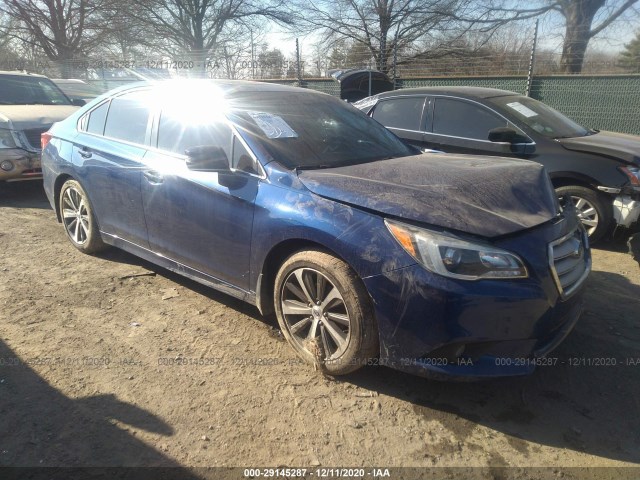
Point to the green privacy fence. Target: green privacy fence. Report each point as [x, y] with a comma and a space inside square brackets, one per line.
[603, 102]
[606, 102]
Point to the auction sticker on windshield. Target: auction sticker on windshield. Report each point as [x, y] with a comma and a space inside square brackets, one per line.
[522, 109]
[273, 126]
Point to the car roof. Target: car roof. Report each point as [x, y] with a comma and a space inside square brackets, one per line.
[343, 74]
[69, 80]
[227, 86]
[21, 73]
[466, 92]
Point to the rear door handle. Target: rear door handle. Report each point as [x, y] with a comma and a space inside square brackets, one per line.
[153, 177]
[85, 152]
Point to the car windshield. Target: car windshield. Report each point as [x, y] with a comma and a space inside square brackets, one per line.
[25, 90]
[540, 117]
[306, 130]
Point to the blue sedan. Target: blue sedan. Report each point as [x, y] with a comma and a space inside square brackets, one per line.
[367, 250]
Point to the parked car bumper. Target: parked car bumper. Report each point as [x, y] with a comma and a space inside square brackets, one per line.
[444, 328]
[18, 164]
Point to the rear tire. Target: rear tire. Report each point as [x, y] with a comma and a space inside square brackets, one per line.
[78, 218]
[325, 312]
[593, 208]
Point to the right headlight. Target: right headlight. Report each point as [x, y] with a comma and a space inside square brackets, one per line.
[6, 139]
[633, 174]
[454, 257]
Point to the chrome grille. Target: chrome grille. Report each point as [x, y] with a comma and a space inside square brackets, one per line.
[570, 262]
[33, 136]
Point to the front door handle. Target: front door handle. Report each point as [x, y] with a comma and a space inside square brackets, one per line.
[153, 177]
[85, 152]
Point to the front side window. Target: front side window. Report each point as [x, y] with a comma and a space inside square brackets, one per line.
[179, 130]
[459, 118]
[404, 113]
[242, 160]
[128, 117]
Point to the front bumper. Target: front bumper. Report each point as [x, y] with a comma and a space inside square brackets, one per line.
[24, 165]
[444, 328]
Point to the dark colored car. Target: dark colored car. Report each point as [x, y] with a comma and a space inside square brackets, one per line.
[77, 90]
[356, 84]
[29, 105]
[599, 170]
[296, 202]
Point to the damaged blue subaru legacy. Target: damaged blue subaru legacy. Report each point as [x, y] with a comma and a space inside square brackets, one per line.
[367, 250]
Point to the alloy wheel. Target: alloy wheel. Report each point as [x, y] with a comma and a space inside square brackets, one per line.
[587, 214]
[313, 307]
[75, 215]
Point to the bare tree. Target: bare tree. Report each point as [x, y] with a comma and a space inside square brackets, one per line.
[380, 26]
[579, 17]
[198, 27]
[62, 29]
[583, 20]
[235, 60]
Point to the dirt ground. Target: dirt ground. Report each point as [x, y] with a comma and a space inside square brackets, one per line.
[111, 361]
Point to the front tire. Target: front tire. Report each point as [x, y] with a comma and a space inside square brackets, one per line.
[325, 313]
[593, 209]
[78, 218]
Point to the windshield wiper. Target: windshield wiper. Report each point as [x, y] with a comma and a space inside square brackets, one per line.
[316, 167]
[348, 164]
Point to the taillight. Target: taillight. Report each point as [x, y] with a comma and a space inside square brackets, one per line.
[45, 138]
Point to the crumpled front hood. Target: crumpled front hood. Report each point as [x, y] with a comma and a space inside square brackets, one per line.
[24, 117]
[618, 145]
[488, 196]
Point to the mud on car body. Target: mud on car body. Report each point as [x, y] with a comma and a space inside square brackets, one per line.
[29, 105]
[441, 265]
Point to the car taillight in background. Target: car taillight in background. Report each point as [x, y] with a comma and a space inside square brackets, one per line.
[45, 138]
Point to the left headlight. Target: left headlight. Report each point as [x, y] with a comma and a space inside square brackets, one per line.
[6, 139]
[454, 257]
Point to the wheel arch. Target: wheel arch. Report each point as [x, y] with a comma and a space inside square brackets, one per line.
[565, 179]
[272, 263]
[57, 188]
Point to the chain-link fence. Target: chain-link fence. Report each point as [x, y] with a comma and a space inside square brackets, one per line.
[605, 96]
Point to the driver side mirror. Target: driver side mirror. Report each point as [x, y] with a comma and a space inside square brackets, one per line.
[518, 143]
[207, 158]
[78, 102]
[506, 134]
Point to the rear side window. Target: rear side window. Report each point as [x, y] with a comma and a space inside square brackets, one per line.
[97, 118]
[404, 113]
[458, 118]
[178, 132]
[128, 118]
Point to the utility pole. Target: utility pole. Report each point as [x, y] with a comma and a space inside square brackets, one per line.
[395, 60]
[532, 61]
[298, 69]
[253, 61]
